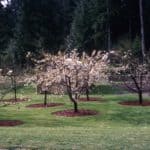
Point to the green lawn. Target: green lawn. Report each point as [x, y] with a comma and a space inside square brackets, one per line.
[116, 127]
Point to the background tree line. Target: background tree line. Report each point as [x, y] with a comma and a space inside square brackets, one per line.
[51, 25]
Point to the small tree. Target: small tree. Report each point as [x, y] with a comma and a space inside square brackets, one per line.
[8, 73]
[134, 72]
[96, 70]
[67, 71]
[42, 84]
[46, 76]
[72, 71]
[48, 83]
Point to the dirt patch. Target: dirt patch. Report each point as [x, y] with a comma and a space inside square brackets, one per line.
[84, 99]
[135, 103]
[41, 105]
[71, 113]
[10, 123]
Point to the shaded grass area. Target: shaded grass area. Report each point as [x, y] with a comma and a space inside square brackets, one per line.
[115, 127]
[107, 89]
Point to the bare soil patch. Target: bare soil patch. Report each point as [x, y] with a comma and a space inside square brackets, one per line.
[41, 105]
[10, 123]
[71, 113]
[84, 99]
[135, 103]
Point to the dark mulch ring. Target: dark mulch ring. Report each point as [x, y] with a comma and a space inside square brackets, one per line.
[135, 103]
[9, 123]
[71, 113]
[84, 99]
[41, 105]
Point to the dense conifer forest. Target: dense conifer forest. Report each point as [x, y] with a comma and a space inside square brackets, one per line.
[52, 25]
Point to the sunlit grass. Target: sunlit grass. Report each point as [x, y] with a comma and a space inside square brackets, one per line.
[115, 127]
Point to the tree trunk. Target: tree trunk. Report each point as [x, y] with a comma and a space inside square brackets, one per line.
[74, 101]
[109, 38]
[75, 106]
[13, 82]
[15, 91]
[138, 87]
[130, 29]
[0, 61]
[140, 97]
[108, 26]
[87, 94]
[142, 28]
[45, 98]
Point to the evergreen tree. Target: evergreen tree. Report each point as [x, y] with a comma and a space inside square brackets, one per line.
[90, 25]
[50, 25]
[5, 30]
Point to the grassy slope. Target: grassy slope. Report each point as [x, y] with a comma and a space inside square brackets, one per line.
[116, 127]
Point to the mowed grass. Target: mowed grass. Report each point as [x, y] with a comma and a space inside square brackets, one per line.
[116, 127]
